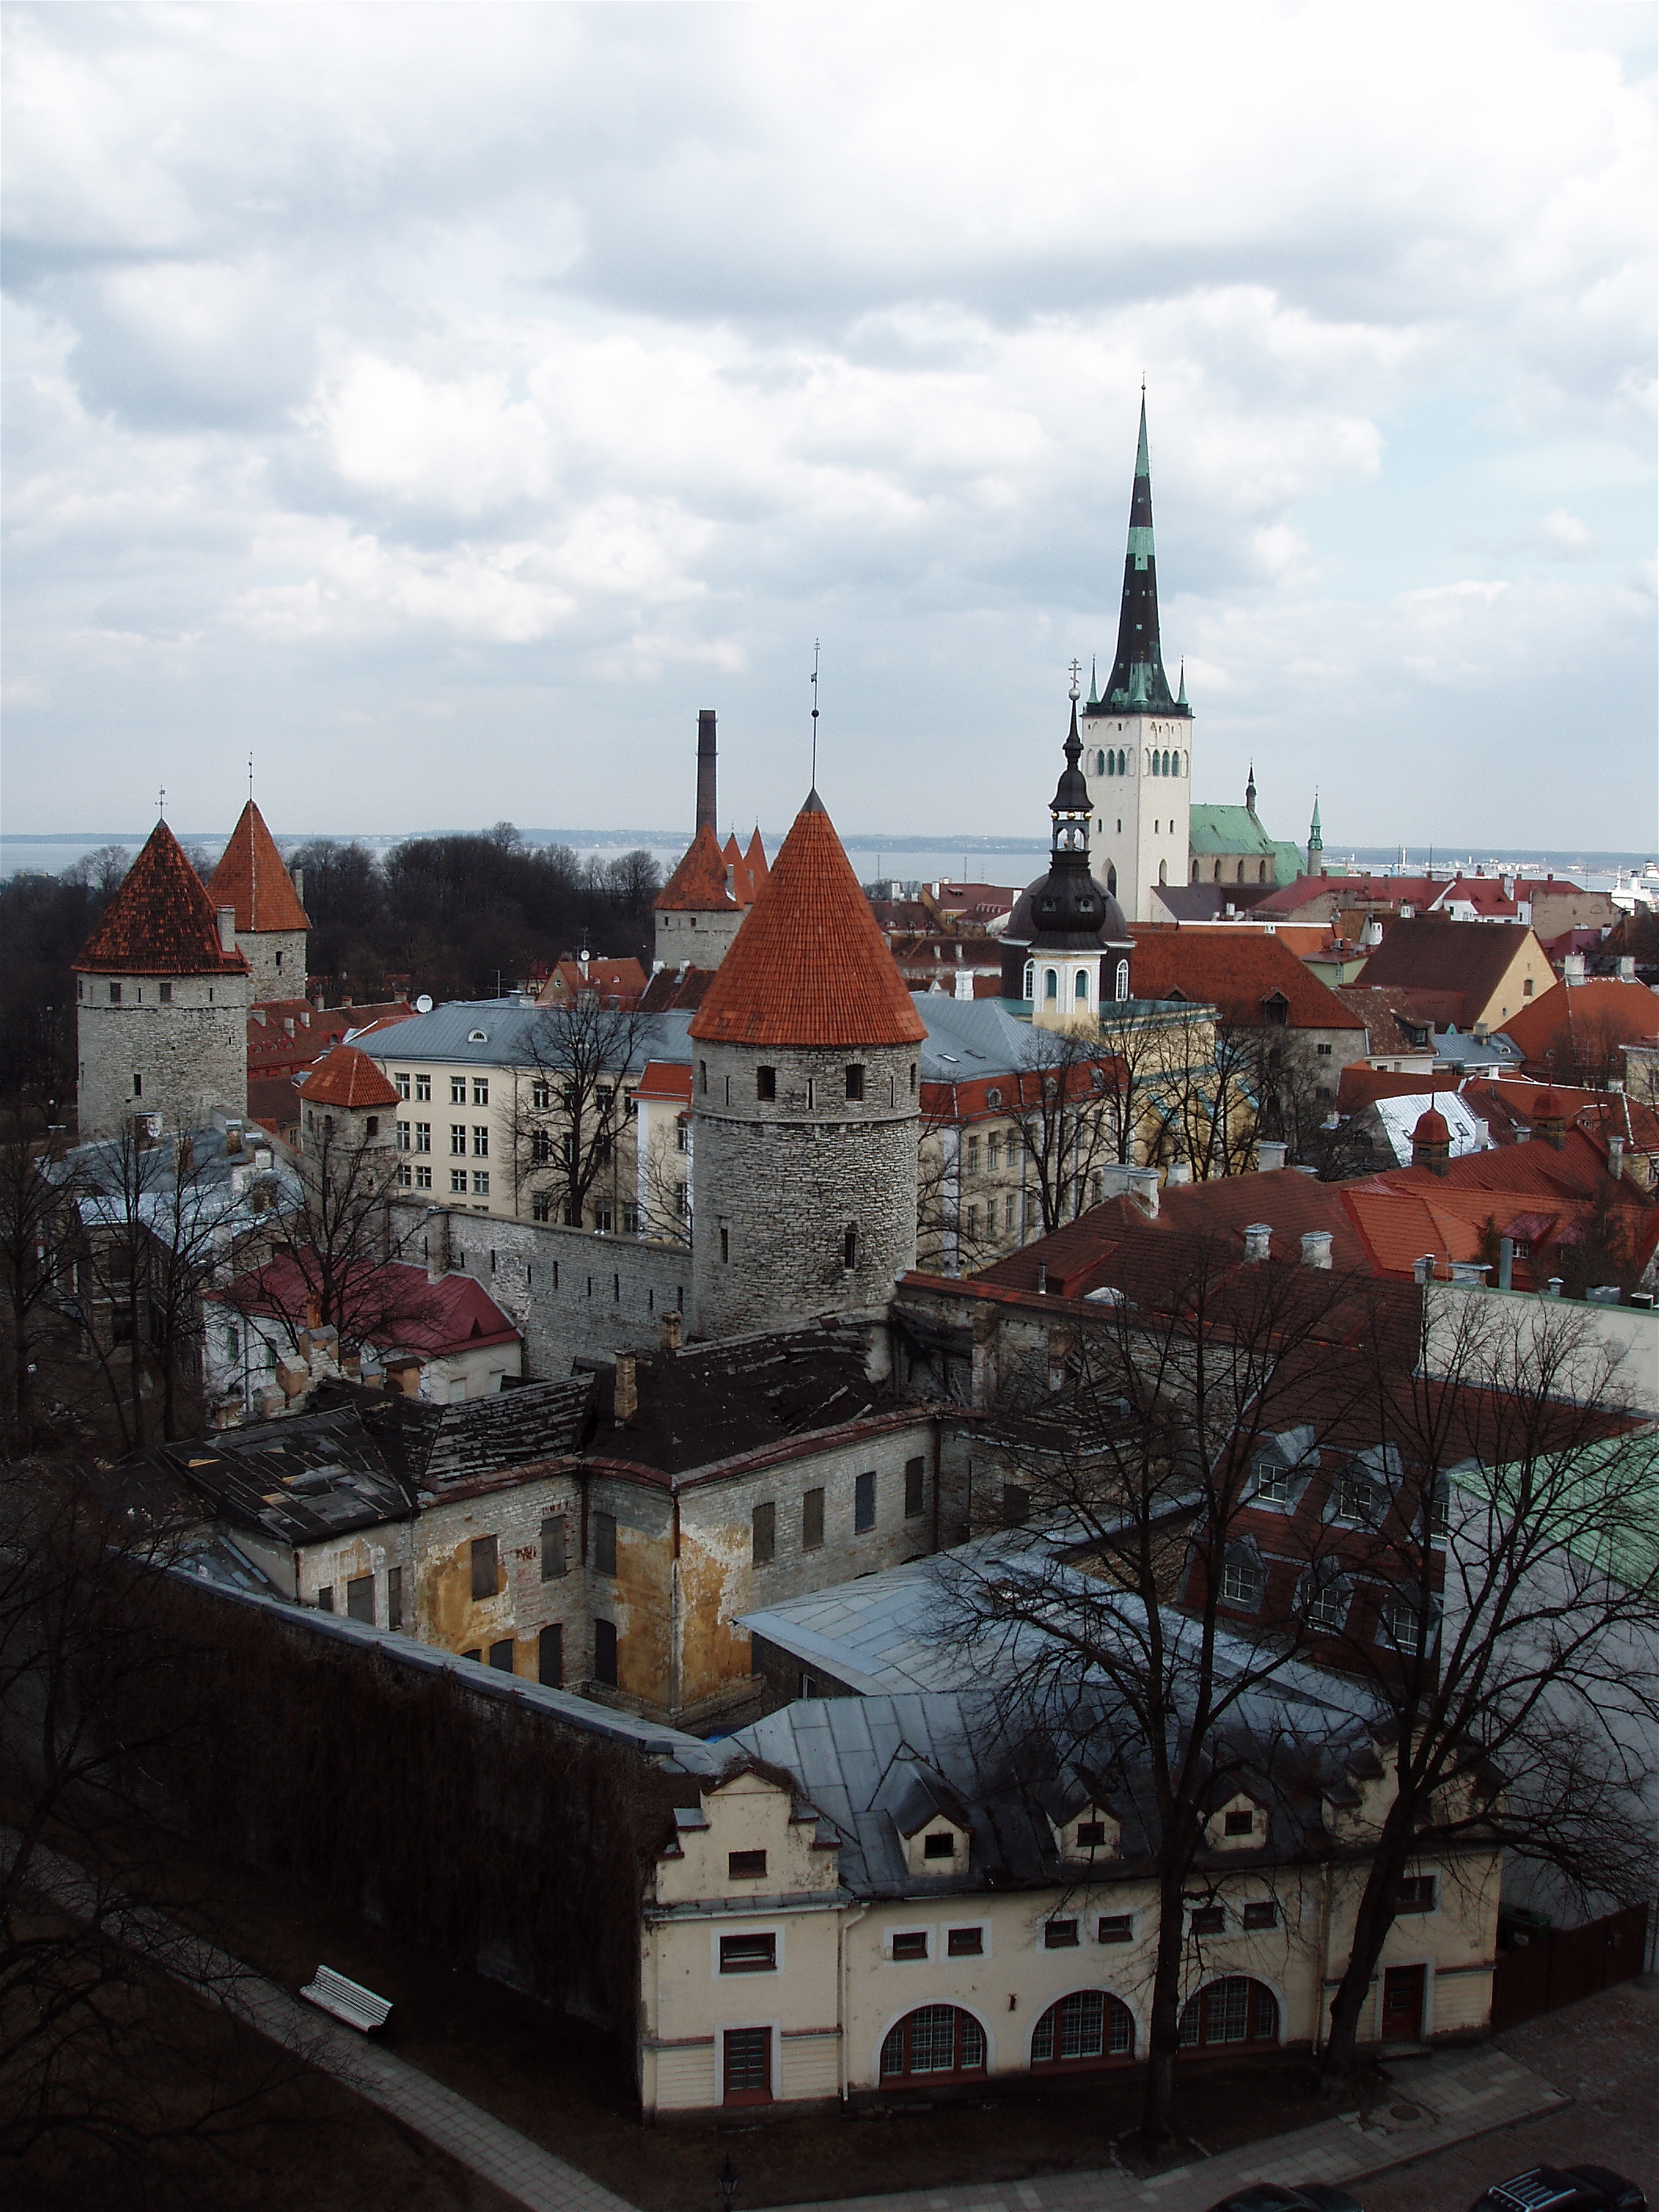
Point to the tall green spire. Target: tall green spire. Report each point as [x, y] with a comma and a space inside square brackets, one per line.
[1315, 843]
[1138, 683]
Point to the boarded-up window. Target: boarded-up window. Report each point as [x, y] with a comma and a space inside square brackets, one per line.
[914, 1484]
[745, 1866]
[550, 1670]
[765, 1546]
[500, 1655]
[605, 1652]
[325, 1598]
[359, 1598]
[394, 1597]
[864, 1502]
[553, 1558]
[485, 1567]
[604, 1542]
[811, 1521]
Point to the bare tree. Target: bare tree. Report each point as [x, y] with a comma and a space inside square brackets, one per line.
[1072, 1113]
[1524, 1704]
[1136, 1444]
[32, 1206]
[573, 1107]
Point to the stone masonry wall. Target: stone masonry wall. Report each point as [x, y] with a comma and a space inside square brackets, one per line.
[702, 939]
[189, 1055]
[776, 1183]
[276, 963]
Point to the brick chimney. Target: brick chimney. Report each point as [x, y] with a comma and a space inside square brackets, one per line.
[706, 801]
[673, 1330]
[625, 1397]
[227, 928]
[1549, 1122]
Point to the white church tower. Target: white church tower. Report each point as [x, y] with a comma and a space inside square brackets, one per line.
[1138, 736]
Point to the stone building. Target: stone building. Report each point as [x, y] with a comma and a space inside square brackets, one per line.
[270, 922]
[699, 909]
[161, 1002]
[805, 1102]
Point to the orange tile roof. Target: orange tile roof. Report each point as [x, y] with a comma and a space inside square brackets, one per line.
[1235, 970]
[250, 878]
[809, 965]
[698, 885]
[1574, 1019]
[161, 922]
[348, 1079]
[668, 1080]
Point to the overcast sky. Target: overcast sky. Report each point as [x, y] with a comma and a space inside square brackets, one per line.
[446, 403]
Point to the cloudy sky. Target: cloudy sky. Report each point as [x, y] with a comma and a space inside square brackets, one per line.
[446, 402]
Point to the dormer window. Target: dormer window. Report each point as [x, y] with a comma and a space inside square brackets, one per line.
[941, 1844]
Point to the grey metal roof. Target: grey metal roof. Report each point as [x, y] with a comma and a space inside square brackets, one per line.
[499, 1033]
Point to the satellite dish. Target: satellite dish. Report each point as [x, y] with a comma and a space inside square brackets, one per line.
[423, 1004]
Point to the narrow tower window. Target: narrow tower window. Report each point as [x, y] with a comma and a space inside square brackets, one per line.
[855, 1079]
[766, 1083]
[1051, 984]
[1123, 984]
[1080, 989]
[849, 1246]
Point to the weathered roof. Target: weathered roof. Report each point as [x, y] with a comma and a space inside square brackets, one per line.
[347, 1078]
[1230, 830]
[698, 885]
[1423, 953]
[809, 965]
[502, 1033]
[399, 1308]
[683, 988]
[161, 922]
[1573, 1021]
[1237, 971]
[250, 877]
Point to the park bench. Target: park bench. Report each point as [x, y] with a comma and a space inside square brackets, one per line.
[348, 2000]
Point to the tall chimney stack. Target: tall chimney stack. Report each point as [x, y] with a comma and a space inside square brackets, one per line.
[706, 809]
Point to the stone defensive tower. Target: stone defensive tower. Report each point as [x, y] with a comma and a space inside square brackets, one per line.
[806, 1100]
[1137, 738]
[161, 1000]
[270, 922]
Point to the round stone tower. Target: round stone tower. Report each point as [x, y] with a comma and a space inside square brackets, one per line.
[270, 922]
[161, 1000]
[805, 1090]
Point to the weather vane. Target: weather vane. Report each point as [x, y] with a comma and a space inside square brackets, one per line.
[815, 714]
[249, 779]
[1076, 671]
[162, 800]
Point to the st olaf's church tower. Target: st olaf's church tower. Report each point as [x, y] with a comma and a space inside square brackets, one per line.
[1138, 736]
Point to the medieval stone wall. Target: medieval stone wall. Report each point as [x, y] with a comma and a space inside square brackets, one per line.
[276, 963]
[701, 939]
[180, 1057]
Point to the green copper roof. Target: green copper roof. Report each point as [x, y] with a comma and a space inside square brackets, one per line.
[1220, 831]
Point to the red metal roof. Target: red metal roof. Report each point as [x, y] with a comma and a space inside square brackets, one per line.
[453, 1315]
[698, 885]
[161, 922]
[347, 1078]
[809, 965]
[250, 878]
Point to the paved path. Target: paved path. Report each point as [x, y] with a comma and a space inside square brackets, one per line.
[1450, 2099]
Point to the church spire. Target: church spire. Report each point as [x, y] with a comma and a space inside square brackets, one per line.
[1138, 683]
[1249, 789]
[1315, 843]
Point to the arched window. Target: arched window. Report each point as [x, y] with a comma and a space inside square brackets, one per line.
[1166, 763]
[1102, 763]
[1218, 872]
[1123, 762]
[1030, 979]
[1051, 984]
[1262, 873]
[1234, 2010]
[1088, 2028]
[1121, 985]
[1196, 871]
[1177, 763]
[1111, 880]
[1163, 871]
[1157, 770]
[1081, 987]
[936, 2041]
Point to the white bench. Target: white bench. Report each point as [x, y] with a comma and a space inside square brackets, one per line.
[348, 2000]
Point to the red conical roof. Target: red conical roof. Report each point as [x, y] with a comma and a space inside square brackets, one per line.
[347, 1077]
[1432, 1128]
[250, 878]
[698, 885]
[810, 966]
[161, 922]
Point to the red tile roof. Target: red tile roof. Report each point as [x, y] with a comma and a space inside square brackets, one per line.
[1359, 1085]
[250, 878]
[285, 1034]
[698, 885]
[748, 871]
[161, 922]
[453, 1315]
[809, 965]
[1576, 1020]
[347, 1078]
[1237, 971]
[668, 1081]
[618, 983]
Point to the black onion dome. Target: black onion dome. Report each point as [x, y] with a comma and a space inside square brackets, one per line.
[1066, 911]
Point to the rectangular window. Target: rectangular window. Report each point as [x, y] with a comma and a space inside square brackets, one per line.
[486, 1566]
[856, 1081]
[749, 1954]
[481, 1182]
[423, 1086]
[1116, 1928]
[748, 2070]
[1322, 1051]
[550, 1657]
[964, 1943]
[914, 1486]
[1091, 1835]
[1240, 1824]
[541, 1207]
[394, 1597]
[423, 1136]
[1415, 1894]
[457, 1090]
[630, 1221]
[359, 1599]
[1209, 1920]
[404, 1136]
[766, 1083]
[1264, 1913]
[405, 1176]
[994, 1151]
[745, 1866]
[1015, 1505]
[402, 1082]
[764, 1547]
[864, 1504]
[602, 1219]
[973, 1155]
[458, 1139]
[115, 994]
[541, 1096]
[1060, 1935]
[912, 1944]
[553, 1558]
[166, 990]
[604, 1542]
[1008, 1214]
[422, 1178]
[480, 1091]
[500, 1656]
[811, 1521]
[481, 1140]
[325, 1598]
[1238, 1582]
[1272, 1485]
[941, 1844]
[605, 1653]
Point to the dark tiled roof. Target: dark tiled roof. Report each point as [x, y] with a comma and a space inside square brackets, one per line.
[1237, 971]
[684, 987]
[1428, 954]
[809, 965]
[161, 922]
[250, 878]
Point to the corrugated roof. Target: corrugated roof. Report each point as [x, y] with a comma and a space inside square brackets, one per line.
[698, 885]
[161, 922]
[250, 877]
[809, 965]
[347, 1078]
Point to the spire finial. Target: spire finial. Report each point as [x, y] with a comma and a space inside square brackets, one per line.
[161, 802]
[815, 714]
[1076, 671]
[249, 779]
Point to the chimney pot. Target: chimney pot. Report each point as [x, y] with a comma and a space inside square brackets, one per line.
[1258, 1239]
[1423, 1269]
[1316, 1247]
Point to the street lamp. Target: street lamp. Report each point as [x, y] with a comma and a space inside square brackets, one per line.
[727, 2179]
